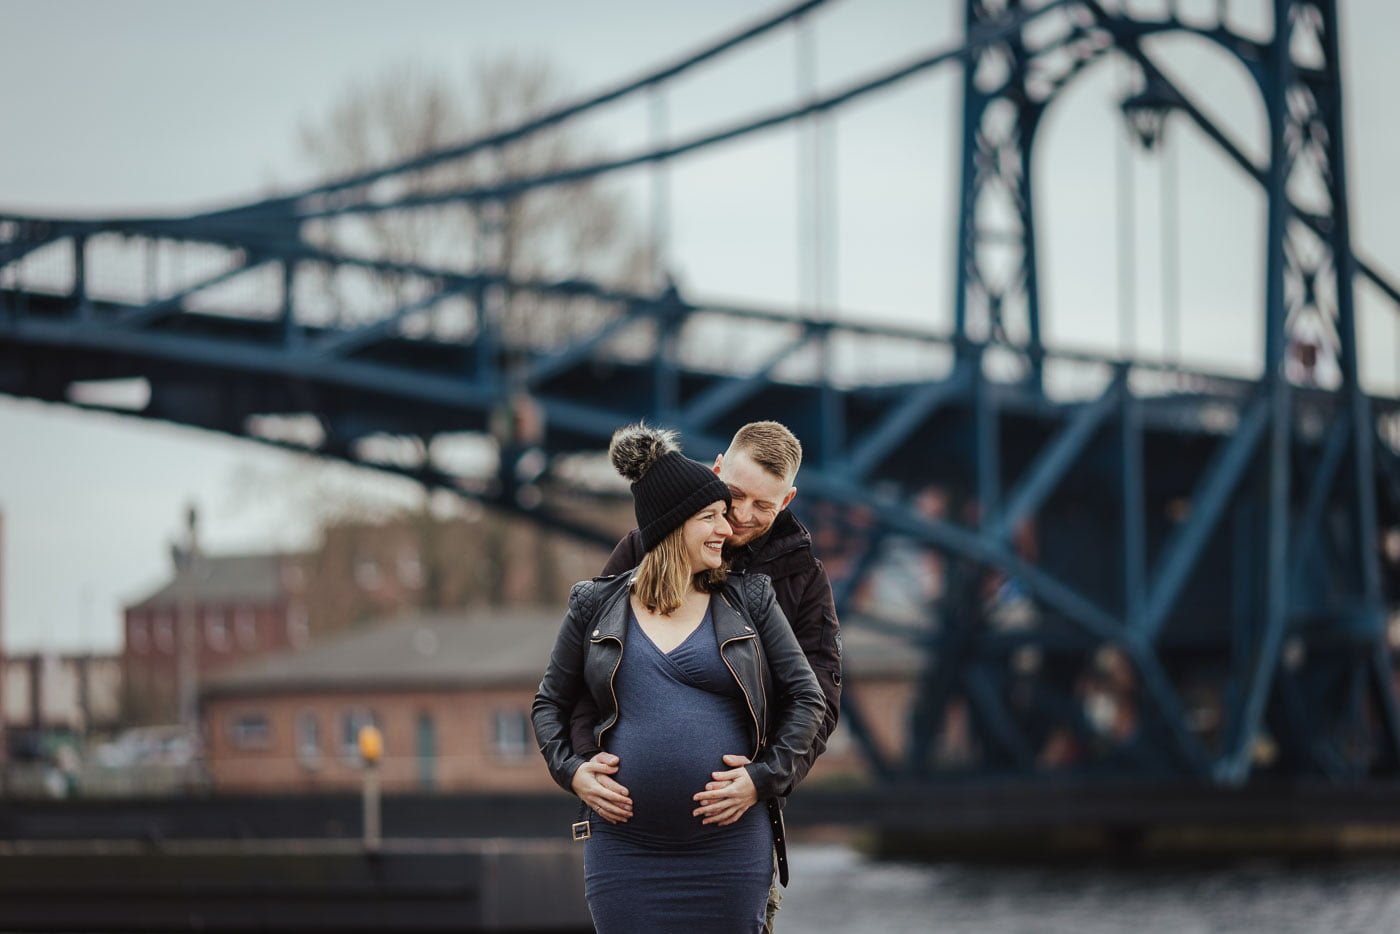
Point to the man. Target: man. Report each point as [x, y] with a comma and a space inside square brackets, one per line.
[760, 469]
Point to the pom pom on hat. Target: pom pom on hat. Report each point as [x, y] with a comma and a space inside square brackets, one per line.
[667, 487]
[635, 448]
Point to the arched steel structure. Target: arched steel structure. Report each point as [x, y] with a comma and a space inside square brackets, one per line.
[1173, 573]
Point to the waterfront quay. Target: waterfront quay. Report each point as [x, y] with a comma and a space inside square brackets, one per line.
[505, 863]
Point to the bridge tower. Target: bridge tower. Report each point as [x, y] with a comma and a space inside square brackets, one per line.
[1297, 625]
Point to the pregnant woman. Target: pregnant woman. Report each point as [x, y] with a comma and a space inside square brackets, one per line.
[683, 673]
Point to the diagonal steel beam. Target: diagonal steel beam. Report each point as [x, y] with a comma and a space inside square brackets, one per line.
[728, 393]
[138, 318]
[19, 249]
[998, 725]
[1075, 607]
[343, 343]
[1209, 499]
[1056, 458]
[1333, 448]
[580, 349]
[853, 719]
[909, 414]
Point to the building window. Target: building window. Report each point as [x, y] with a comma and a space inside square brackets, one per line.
[140, 638]
[245, 630]
[367, 574]
[293, 578]
[427, 752]
[216, 630]
[298, 626]
[308, 739]
[350, 723]
[250, 731]
[510, 734]
[165, 633]
[410, 569]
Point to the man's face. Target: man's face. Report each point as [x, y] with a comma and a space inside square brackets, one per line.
[758, 495]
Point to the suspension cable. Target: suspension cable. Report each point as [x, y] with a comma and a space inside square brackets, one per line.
[660, 190]
[809, 206]
[1127, 245]
[1171, 250]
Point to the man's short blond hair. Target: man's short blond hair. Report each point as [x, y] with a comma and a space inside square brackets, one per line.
[771, 446]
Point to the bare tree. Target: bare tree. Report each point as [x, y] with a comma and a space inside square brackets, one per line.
[577, 230]
[580, 230]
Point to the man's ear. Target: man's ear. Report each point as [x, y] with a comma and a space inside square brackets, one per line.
[792, 491]
[719, 462]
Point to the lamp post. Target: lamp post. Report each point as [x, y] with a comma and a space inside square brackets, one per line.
[371, 743]
[186, 556]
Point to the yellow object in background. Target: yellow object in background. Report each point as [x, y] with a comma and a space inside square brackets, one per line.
[371, 744]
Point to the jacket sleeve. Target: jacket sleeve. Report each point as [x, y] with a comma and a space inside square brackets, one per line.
[798, 704]
[627, 555]
[559, 693]
[819, 634]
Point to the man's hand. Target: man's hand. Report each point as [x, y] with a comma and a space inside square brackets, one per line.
[729, 795]
[605, 796]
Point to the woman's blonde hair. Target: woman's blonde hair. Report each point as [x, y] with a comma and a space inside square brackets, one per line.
[664, 578]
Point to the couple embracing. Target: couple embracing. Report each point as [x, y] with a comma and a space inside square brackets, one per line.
[699, 677]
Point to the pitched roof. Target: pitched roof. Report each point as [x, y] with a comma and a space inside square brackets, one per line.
[476, 648]
[483, 647]
[256, 578]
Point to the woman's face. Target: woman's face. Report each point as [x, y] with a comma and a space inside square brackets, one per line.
[705, 533]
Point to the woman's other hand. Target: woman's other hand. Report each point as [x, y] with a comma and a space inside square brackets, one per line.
[732, 792]
[593, 784]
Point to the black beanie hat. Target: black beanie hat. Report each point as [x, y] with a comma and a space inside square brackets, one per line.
[667, 487]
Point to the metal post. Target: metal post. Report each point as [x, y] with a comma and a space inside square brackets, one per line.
[371, 743]
[187, 661]
[80, 289]
[291, 333]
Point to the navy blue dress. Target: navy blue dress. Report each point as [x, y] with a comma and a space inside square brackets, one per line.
[664, 871]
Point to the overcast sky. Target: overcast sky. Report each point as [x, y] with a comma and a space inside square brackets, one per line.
[175, 106]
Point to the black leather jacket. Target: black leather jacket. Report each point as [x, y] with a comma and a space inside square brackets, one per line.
[785, 703]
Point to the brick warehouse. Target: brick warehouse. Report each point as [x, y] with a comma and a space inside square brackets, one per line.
[451, 692]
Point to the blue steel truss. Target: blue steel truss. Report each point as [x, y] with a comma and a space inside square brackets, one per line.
[1174, 573]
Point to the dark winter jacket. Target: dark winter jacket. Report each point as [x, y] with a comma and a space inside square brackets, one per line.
[803, 590]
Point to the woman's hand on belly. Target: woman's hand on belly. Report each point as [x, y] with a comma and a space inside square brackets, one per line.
[606, 797]
[732, 792]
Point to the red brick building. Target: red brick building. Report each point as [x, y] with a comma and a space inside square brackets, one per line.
[451, 693]
[239, 607]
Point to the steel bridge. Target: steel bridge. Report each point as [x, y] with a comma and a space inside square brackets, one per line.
[1212, 557]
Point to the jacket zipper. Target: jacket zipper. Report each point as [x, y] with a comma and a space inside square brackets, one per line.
[611, 690]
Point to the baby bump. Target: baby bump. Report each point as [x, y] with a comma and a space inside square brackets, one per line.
[665, 760]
